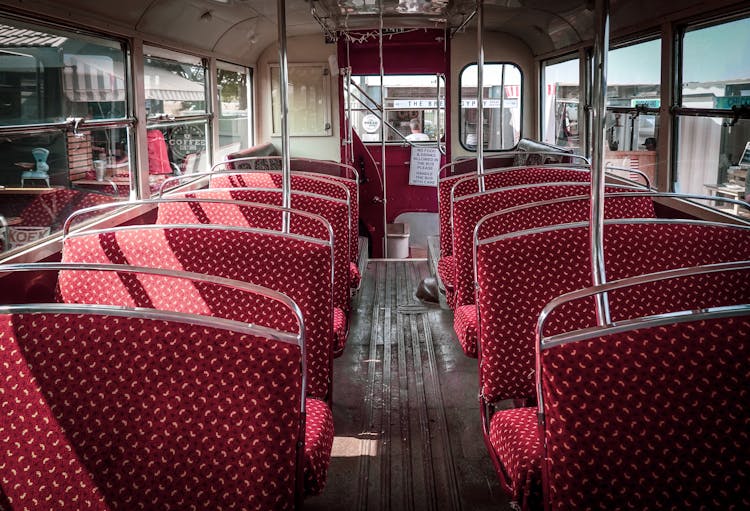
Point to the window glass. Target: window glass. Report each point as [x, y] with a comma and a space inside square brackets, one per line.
[711, 148]
[174, 88]
[178, 130]
[53, 166]
[48, 75]
[713, 159]
[633, 83]
[713, 77]
[501, 84]
[309, 100]
[234, 132]
[414, 104]
[561, 104]
[634, 75]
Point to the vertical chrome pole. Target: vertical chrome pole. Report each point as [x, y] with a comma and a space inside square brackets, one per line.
[382, 136]
[286, 177]
[502, 106]
[350, 128]
[480, 83]
[596, 228]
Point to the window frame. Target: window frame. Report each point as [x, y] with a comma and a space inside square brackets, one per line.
[521, 97]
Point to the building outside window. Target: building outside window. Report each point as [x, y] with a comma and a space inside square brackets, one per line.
[561, 104]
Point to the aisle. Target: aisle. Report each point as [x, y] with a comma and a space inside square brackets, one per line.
[407, 424]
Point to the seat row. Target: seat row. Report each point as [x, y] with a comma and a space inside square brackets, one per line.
[196, 350]
[601, 399]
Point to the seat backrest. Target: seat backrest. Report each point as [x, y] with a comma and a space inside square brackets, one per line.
[353, 186]
[219, 207]
[146, 399]
[293, 265]
[179, 292]
[32, 442]
[335, 211]
[468, 210]
[453, 187]
[319, 184]
[519, 273]
[562, 210]
[648, 418]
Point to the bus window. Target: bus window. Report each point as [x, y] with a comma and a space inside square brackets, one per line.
[65, 128]
[234, 108]
[633, 101]
[560, 116]
[411, 105]
[710, 145]
[502, 88]
[178, 117]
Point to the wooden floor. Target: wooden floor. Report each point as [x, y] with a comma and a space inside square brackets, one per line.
[408, 433]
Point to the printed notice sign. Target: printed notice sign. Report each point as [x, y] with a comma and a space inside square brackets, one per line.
[425, 165]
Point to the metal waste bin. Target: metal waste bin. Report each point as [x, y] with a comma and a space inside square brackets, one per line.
[397, 240]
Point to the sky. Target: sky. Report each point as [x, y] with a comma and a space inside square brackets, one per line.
[716, 53]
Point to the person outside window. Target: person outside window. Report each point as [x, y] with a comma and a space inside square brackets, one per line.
[416, 134]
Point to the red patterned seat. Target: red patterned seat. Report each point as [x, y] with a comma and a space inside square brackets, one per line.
[519, 274]
[560, 211]
[355, 277]
[653, 433]
[340, 331]
[445, 267]
[467, 184]
[321, 184]
[514, 435]
[287, 264]
[465, 325]
[318, 444]
[333, 210]
[32, 442]
[178, 292]
[164, 412]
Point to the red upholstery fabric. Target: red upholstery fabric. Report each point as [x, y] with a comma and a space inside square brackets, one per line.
[291, 266]
[514, 436]
[353, 188]
[335, 212]
[340, 331]
[246, 215]
[465, 325]
[318, 444]
[445, 186]
[468, 210]
[519, 275]
[668, 432]
[40, 470]
[158, 159]
[355, 278]
[174, 294]
[320, 184]
[563, 212]
[166, 415]
[497, 179]
[446, 271]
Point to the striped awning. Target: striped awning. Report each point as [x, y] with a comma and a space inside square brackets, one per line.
[92, 78]
[89, 78]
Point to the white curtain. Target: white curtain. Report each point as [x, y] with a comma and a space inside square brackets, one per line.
[698, 154]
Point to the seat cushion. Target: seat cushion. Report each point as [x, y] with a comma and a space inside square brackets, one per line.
[446, 271]
[354, 276]
[465, 325]
[514, 435]
[340, 331]
[318, 444]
